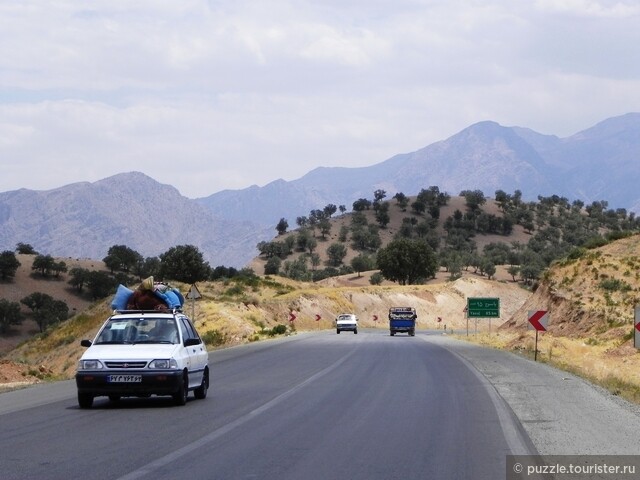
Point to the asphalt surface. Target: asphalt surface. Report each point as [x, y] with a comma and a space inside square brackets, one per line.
[320, 405]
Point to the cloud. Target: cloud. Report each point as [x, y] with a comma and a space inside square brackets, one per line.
[208, 95]
[591, 8]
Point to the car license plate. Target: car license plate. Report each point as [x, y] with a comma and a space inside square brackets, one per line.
[124, 378]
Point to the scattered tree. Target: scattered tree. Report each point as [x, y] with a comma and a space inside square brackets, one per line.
[329, 210]
[8, 265]
[361, 204]
[43, 264]
[122, 258]
[9, 315]
[45, 309]
[407, 261]
[100, 284]
[25, 249]
[282, 226]
[362, 263]
[79, 278]
[272, 267]
[184, 263]
[336, 253]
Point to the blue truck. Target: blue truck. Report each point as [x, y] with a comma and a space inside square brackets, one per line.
[402, 319]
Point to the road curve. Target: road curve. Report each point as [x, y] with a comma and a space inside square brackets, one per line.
[321, 405]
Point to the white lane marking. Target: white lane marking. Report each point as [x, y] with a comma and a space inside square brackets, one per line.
[513, 432]
[167, 459]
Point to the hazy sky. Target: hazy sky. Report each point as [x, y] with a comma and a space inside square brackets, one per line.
[224, 94]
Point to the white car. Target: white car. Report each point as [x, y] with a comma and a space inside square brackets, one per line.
[143, 353]
[347, 322]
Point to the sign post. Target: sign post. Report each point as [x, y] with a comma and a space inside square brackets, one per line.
[538, 320]
[636, 329]
[193, 294]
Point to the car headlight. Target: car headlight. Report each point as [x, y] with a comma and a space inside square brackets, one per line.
[163, 363]
[90, 365]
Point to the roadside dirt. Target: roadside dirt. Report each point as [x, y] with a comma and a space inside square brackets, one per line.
[15, 375]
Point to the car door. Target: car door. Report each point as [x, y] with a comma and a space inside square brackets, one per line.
[197, 354]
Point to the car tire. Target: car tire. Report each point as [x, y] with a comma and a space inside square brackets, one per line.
[180, 397]
[355, 331]
[85, 400]
[201, 392]
[338, 332]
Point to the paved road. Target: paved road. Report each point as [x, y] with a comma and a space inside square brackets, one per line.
[321, 405]
[563, 414]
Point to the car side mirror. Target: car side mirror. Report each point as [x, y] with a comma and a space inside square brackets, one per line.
[85, 343]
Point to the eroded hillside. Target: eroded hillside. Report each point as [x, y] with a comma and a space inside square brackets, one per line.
[590, 299]
[591, 295]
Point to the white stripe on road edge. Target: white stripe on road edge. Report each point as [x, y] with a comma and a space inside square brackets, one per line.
[514, 434]
[167, 459]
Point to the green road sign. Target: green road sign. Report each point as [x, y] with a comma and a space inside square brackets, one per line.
[483, 307]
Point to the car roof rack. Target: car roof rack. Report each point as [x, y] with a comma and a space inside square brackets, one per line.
[142, 312]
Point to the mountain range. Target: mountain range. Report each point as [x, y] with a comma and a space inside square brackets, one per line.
[84, 219]
[600, 163]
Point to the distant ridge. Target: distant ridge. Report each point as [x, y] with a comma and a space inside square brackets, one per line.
[599, 163]
[84, 219]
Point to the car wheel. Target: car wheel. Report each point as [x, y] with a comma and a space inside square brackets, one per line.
[355, 331]
[392, 333]
[180, 397]
[85, 400]
[201, 392]
[338, 332]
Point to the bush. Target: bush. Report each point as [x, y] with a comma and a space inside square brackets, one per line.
[278, 330]
[214, 338]
[614, 284]
[376, 279]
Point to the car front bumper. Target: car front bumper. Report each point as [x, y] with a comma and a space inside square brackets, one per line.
[348, 327]
[161, 382]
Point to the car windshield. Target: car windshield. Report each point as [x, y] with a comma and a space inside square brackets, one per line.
[345, 317]
[402, 315]
[138, 330]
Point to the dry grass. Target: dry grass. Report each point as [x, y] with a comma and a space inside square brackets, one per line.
[609, 364]
[25, 283]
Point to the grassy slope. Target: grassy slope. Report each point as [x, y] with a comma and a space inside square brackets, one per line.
[591, 303]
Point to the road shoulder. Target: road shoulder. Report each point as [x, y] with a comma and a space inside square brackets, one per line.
[562, 413]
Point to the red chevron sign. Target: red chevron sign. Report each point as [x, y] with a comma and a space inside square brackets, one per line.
[292, 316]
[539, 319]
